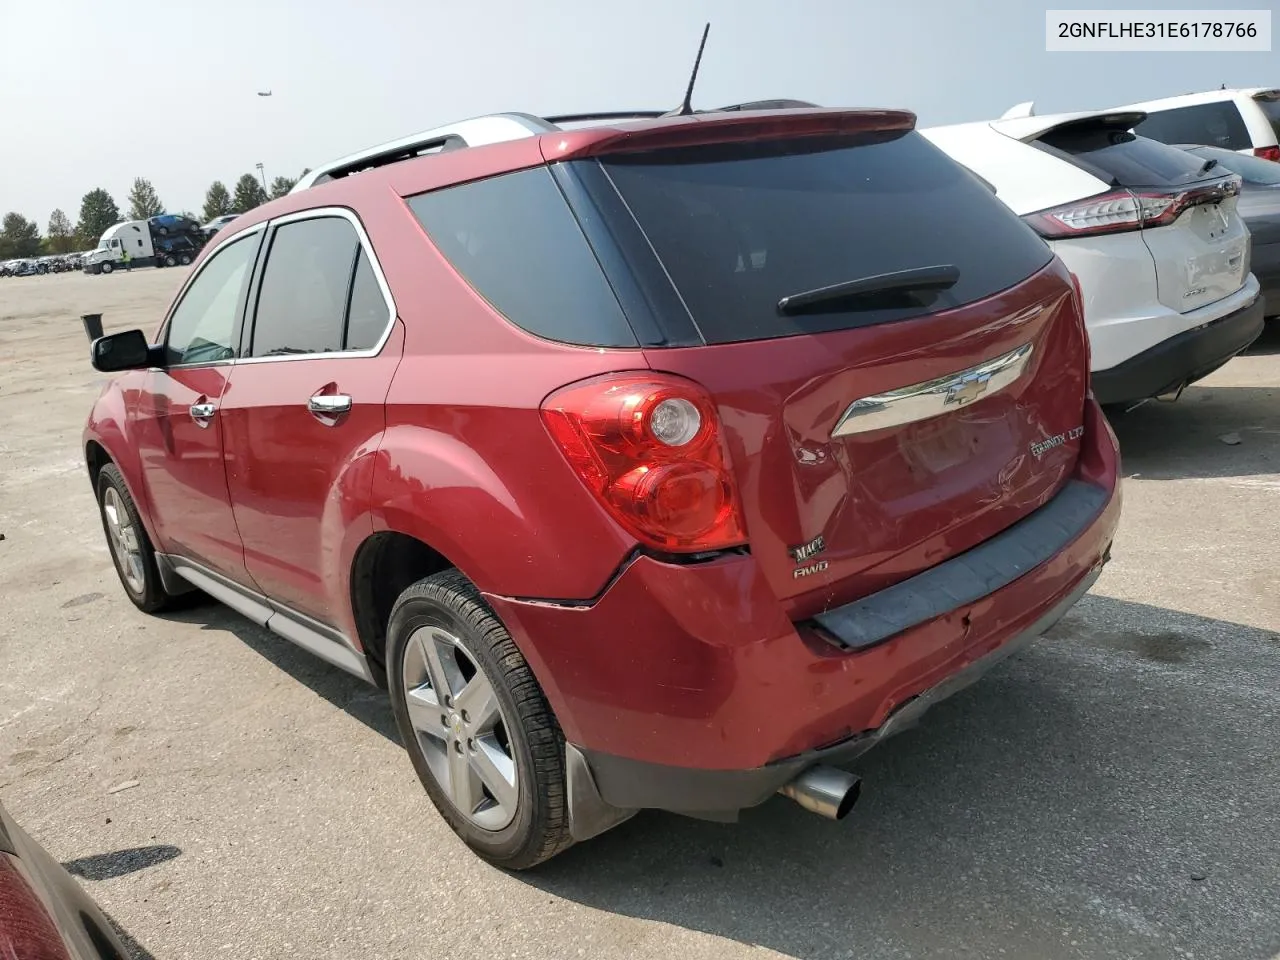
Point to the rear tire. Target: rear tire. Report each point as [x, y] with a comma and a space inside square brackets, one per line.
[131, 550]
[515, 822]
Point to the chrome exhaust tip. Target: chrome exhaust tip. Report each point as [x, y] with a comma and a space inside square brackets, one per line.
[826, 791]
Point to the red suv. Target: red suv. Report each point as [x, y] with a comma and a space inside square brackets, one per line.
[659, 464]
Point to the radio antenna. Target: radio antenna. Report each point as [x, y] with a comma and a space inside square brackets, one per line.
[686, 107]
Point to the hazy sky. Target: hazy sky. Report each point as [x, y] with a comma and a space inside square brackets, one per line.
[97, 92]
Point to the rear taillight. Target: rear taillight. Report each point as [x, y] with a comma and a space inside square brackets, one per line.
[649, 447]
[1119, 211]
[1267, 153]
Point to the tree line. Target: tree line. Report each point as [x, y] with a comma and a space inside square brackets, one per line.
[20, 237]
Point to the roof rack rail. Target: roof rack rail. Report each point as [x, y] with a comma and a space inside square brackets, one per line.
[782, 104]
[607, 115]
[494, 128]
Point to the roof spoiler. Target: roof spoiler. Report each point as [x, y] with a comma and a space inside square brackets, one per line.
[1019, 110]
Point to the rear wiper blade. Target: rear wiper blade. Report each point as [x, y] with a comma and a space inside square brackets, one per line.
[937, 277]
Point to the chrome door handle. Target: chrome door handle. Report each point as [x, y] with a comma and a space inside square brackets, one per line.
[202, 413]
[329, 403]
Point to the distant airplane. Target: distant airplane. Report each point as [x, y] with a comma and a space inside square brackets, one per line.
[264, 93]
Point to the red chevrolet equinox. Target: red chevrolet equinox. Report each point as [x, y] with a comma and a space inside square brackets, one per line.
[668, 463]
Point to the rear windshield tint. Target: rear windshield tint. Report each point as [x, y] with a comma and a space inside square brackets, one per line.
[740, 226]
[1123, 159]
[515, 240]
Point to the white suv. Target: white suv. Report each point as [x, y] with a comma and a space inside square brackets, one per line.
[1247, 121]
[1150, 232]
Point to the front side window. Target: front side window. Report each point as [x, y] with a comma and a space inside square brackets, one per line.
[202, 329]
[306, 287]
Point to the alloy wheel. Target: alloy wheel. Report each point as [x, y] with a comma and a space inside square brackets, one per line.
[124, 541]
[461, 727]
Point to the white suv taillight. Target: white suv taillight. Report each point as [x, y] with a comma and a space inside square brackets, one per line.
[1121, 210]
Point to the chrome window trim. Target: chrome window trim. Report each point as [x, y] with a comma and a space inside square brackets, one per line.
[182, 295]
[922, 401]
[366, 245]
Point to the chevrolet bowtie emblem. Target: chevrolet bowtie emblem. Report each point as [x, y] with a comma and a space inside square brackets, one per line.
[966, 391]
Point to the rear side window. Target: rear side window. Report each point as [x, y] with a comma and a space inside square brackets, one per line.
[1120, 158]
[1212, 124]
[369, 316]
[1270, 107]
[319, 292]
[303, 295]
[515, 240]
[740, 226]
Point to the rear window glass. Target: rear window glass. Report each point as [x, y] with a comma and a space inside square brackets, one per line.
[1251, 169]
[1120, 158]
[1212, 124]
[740, 226]
[515, 240]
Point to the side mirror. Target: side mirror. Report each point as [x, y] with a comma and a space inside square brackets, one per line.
[121, 351]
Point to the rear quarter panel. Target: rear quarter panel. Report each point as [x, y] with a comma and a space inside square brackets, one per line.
[466, 464]
[1118, 280]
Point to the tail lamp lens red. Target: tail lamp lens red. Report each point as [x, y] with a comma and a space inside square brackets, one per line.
[1119, 211]
[1267, 153]
[650, 448]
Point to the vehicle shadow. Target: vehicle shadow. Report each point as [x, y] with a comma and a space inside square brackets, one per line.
[1042, 813]
[349, 694]
[1268, 344]
[136, 950]
[119, 863]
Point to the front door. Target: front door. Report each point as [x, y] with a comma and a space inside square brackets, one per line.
[304, 411]
[179, 421]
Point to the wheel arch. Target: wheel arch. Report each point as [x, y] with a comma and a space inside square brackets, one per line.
[384, 565]
[105, 443]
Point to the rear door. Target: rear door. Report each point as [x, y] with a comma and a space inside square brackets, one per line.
[1190, 222]
[875, 436]
[304, 411]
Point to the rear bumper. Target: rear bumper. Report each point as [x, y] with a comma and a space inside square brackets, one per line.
[1266, 267]
[628, 784]
[686, 688]
[1180, 360]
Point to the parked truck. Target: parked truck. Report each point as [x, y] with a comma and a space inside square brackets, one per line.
[163, 241]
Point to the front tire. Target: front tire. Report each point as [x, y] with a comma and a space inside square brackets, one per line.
[479, 730]
[107, 267]
[131, 550]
